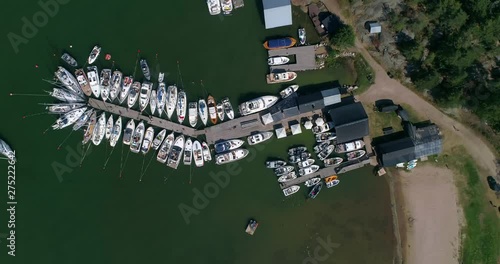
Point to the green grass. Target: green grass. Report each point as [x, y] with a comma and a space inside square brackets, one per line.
[364, 72]
[481, 242]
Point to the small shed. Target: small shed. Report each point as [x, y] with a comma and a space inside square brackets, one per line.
[267, 119]
[296, 129]
[280, 132]
[308, 124]
[374, 28]
[277, 13]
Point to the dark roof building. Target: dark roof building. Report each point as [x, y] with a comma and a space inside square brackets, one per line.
[350, 122]
[397, 151]
[427, 139]
[310, 102]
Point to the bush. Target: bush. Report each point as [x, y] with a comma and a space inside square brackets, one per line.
[344, 37]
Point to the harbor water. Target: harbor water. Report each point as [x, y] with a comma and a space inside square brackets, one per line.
[69, 212]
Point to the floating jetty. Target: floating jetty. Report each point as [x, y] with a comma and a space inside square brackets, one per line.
[305, 57]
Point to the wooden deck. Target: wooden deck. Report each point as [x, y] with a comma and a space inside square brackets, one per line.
[305, 58]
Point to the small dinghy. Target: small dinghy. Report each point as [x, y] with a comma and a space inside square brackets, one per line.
[128, 132]
[207, 156]
[296, 150]
[288, 91]
[302, 36]
[259, 138]
[116, 132]
[228, 145]
[308, 170]
[193, 113]
[109, 127]
[188, 152]
[228, 108]
[133, 94]
[198, 154]
[69, 60]
[355, 154]
[332, 161]
[181, 106]
[283, 170]
[312, 182]
[137, 137]
[291, 190]
[273, 164]
[203, 111]
[220, 111]
[159, 139]
[165, 148]
[287, 177]
[306, 163]
[152, 102]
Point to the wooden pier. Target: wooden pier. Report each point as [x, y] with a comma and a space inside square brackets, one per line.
[305, 58]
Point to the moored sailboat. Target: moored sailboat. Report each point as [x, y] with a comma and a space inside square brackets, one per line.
[188, 152]
[198, 154]
[144, 95]
[289, 91]
[152, 102]
[69, 118]
[202, 110]
[116, 85]
[171, 100]
[148, 138]
[109, 127]
[193, 113]
[125, 90]
[99, 130]
[93, 77]
[181, 106]
[175, 155]
[89, 131]
[105, 83]
[159, 139]
[281, 77]
[128, 132]
[145, 69]
[220, 111]
[83, 81]
[116, 132]
[277, 60]
[161, 98]
[207, 156]
[137, 137]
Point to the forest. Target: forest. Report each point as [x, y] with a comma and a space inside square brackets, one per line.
[453, 52]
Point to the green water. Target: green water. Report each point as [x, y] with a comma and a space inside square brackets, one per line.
[91, 215]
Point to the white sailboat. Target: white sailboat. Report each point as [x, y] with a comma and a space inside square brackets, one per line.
[161, 98]
[128, 132]
[165, 148]
[257, 104]
[181, 106]
[171, 100]
[65, 96]
[109, 127]
[63, 108]
[83, 119]
[193, 113]
[116, 85]
[198, 154]
[152, 102]
[144, 95]
[133, 94]
[127, 83]
[207, 156]
[159, 139]
[116, 132]
[93, 76]
[6, 151]
[220, 111]
[83, 81]
[105, 83]
[89, 131]
[99, 130]
[69, 81]
[135, 144]
[228, 108]
[188, 152]
[175, 154]
[148, 139]
[203, 111]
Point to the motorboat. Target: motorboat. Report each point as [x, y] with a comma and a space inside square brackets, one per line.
[109, 127]
[171, 100]
[133, 94]
[161, 98]
[315, 190]
[321, 146]
[287, 177]
[228, 108]
[283, 170]
[137, 137]
[251, 227]
[300, 157]
[330, 162]
[305, 163]
[324, 153]
[289, 91]
[214, 7]
[257, 104]
[220, 111]
[188, 152]
[319, 129]
[193, 113]
[181, 106]
[259, 137]
[94, 54]
[145, 95]
[326, 136]
[69, 60]
[291, 190]
[6, 151]
[145, 69]
[83, 119]
[165, 148]
[333, 183]
[128, 132]
[148, 139]
[227, 6]
[89, 131]
[116, 85]
[175, 154]
[312, 182]
[212, 109]
[355, 154]
[63, 108]
[207, 156]
[296, 150]
[350, 146]
[308, 170]
[302, 36]
[203, 111]
[69, 118]
[228, 145]
[93, 77]
[281, 43]
[159, 139]
[83, 81]
[198, 154]
[125, 90]
[152, 102]
[69, 81]
[116, 132]
[277, 60]
[281, 77]
[105, 83]
[273, 164]
[230, 156]
[99, 129]
[161, 76]
[65, 96]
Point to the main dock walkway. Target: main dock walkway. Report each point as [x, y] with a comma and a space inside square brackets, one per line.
[305, 58]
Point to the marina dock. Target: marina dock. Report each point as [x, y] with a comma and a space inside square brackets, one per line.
[305, 58]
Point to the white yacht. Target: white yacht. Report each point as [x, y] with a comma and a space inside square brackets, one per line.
[289, 91]
[188, 152]
[193, 113]
[116, 85]
[116, 132]
[63, 108]
[83, 81]
[159, 139]
[153, 102]
[69, 81]
[109, 127]
[125, 90]
[6, 151]
[83, 119]
[228, 108]
[278, 60]
[259, 138]
[94, 54]
[161, 98]
[230, 156]
[171, 100]
[137, 137]
[165, 148]
[291, 190]
[148, 139]
[69, 118]
[257, 104]
[66, 96]
[227, 145]
[214, 7]
[93, 76]
[105, 83]
[207, 156]
[133, 94]
[220, 111]
[99, 130]
[198, 154]
[175, 154]
[128, 132]
[144, 95]
[181, 106]
[227, 6]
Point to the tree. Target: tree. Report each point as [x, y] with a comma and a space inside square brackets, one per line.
[344, 38]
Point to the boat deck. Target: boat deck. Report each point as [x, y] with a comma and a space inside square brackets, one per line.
[305, 58]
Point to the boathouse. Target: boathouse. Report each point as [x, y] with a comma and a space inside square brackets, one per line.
[277, 13]
[396, 151]
[350, 122]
